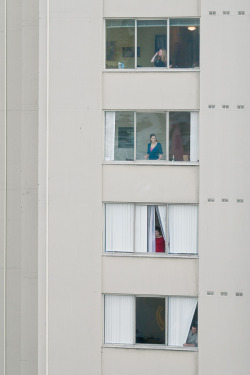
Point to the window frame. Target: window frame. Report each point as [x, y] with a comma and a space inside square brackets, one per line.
[145, 69]
[165, 161]
[148, 346]
[134, 253]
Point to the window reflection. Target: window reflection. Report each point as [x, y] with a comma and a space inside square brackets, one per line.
[120, 44]
[151, 37]
[151, 48]
[184, 43]
[179, 136]
[119, 134]
[149, 126]
[152, 137]
[150, 320]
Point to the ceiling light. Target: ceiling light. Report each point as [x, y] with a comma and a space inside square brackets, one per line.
[191, 28]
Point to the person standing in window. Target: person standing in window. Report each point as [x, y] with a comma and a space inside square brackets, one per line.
[154, 149]
[159, 241]
[192, 339]
[160, 58]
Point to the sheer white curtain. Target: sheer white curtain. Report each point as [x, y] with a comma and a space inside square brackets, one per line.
[183, 229]
[119, 227]
[162, 215]
[151, 228]
[119, 319]
[180, 314]
[140, 228]
[194, 136]
[110, 136]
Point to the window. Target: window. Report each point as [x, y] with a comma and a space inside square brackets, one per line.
[150, 320]
[164, 43]
[184, 42]
[131, 136]
[136, 228]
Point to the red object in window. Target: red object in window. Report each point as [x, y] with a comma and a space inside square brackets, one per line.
[159, 245]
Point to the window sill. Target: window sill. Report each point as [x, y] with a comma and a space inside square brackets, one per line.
[150, 70]
[150, 255]
[151, 162]
[150, 347]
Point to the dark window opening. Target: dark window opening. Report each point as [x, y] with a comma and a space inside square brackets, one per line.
[150, 320]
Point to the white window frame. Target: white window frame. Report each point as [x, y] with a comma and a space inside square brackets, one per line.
[139, 69]
[133, 324]
[193, 113]
[167, 252]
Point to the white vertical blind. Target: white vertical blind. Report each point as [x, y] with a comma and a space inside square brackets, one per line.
[110, 136]
[162, 214]
[194, 136]
[183, 229]
[140, 228]
[120, 227]
[119, 319]
[151, 228]
[180, 315]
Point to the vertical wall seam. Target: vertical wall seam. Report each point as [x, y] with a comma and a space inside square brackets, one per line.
[47, 196]
[5, 190]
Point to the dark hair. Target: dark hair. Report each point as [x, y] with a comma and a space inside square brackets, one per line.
[194, 325]
[152, 135]
[158, 228]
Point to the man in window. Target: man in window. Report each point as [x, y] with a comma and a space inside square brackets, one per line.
[192, 339]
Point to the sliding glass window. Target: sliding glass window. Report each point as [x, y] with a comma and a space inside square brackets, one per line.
[184, 42]
[138, 228]
[154, 320]
[163, 43]
[137, 136]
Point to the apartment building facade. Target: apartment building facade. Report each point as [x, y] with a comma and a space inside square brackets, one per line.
[83, 287]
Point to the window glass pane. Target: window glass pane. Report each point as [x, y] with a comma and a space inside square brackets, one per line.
[150, 320]
[120, 44]
[119, 136]
[179, 136]
[146, 125]
[151, 37]
[184, 43]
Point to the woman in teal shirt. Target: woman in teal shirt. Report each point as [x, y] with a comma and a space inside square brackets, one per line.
[154, 149]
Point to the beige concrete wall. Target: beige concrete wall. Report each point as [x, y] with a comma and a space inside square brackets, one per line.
[131, 361]
[224, 162]
[149, 275]
[151, 184]
[145, 90]
[158, 8]
[170, 90]
[21, 224]
[74, 187]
